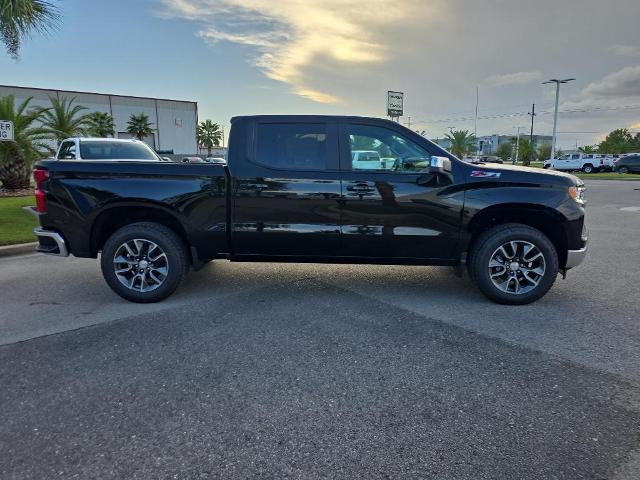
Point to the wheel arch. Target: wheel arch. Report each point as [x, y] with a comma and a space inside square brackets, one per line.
[117, 216]
[548, 220]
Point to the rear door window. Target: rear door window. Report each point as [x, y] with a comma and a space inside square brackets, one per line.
[292, 146]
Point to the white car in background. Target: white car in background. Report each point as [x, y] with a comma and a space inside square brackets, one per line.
[366, 160]
[585, 162]
[120, 149]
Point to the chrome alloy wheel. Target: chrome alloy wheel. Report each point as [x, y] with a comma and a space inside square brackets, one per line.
[517, 267]
[140, 265]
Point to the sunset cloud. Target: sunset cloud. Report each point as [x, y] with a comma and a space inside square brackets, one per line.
[289, 36]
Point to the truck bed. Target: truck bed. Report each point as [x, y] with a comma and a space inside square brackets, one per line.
[99, 193]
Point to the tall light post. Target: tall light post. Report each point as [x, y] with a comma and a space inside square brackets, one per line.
[515, 159]
[555, 114]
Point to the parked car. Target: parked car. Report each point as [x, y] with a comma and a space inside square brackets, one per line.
[193, 159]
[366, 160]
[585, 162]
[485, 159]
[218, 160]
[89, 148]
[290, 194]
[627, 164]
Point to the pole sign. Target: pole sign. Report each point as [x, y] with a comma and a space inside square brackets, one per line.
[6, 131]
[395, 104]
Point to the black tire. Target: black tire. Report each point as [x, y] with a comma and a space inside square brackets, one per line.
[588, 168]
[623, 170]
[490, 241]
[175, 259]
[546, 166]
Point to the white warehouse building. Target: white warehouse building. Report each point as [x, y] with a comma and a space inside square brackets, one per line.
[174, 121]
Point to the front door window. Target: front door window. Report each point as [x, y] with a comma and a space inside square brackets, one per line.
[378, 149]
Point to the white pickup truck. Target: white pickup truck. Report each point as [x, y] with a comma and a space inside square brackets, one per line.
[88, 148]
[586, 162]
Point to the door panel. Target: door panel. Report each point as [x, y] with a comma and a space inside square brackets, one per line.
[392, 216]
[398, 210]
[281, 211]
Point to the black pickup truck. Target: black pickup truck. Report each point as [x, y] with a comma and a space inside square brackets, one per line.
[300, 189]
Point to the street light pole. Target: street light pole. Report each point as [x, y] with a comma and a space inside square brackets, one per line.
[515, 159]
[555, 113]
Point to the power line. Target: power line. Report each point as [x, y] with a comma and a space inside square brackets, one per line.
[524, 114]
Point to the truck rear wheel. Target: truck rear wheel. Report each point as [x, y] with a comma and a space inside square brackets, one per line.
[513, 264]
[144, 262]
[588, 168]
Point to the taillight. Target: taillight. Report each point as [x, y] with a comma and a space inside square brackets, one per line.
[40, 175]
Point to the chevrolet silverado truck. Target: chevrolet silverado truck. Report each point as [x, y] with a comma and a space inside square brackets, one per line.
[290, 192]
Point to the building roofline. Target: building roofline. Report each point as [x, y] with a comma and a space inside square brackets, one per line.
[96, 93]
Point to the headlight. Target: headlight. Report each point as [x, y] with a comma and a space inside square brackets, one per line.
[577, 193]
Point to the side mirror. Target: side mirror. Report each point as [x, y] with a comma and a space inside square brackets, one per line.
[440, 165]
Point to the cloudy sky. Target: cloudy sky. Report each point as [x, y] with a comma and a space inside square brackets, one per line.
[341, 56]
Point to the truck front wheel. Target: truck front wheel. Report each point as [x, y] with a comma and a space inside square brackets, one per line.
[513, 264]
[144, 262]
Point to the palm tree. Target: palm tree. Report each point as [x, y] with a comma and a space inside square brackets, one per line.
[139, 126]
[100, 124]
[504, 151]
[462, 142]
[63, 119]
[29, 142]
[208, 135]
[589, 149]
[544, 151]
[20, 18]
[526, 151]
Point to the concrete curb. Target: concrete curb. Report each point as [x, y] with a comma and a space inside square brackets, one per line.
[20, 249]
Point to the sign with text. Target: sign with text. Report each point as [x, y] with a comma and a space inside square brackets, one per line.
[395, 104]
[6, 131]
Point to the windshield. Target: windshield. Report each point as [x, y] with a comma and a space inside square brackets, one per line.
[105, 150]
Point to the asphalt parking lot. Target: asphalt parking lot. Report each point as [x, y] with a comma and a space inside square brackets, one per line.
[326, 371]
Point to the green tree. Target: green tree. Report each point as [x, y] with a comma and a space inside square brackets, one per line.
[462, 142]
[19, 19]
[526, 152]
[100, 124]
[208, 135]
[359, 142]
[618, 141]
[29, 142]
[64, 119]
[504, 151]
[139, 126]
[544, 151]
[589, 149]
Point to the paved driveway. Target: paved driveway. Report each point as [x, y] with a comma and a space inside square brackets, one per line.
[325, 371]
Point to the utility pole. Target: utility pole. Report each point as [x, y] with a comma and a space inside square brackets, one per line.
[533, 114]
[555, 114]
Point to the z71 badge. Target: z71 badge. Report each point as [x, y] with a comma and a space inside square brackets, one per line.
[481, 174]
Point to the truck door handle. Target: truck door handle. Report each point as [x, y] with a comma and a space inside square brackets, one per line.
[361, 188]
